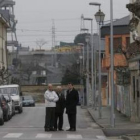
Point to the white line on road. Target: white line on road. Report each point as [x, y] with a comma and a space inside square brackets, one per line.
[13, 135]
[101, 137]
[44, 136]
[74, 137]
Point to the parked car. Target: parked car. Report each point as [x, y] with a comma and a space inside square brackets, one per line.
[5, 108]
[11, 104]
[28, 101]
[14, 91]
[1, 116]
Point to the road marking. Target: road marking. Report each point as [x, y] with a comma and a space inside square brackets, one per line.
[74, 137]
[13, 135]
[101, 137]
[44, 136]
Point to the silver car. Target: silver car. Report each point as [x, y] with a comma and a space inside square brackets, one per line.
[1, 116]
[10, 104]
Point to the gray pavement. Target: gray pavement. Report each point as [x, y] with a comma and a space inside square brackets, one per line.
[29, 126]
[123, 126]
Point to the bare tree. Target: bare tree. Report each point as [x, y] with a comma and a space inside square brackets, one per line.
[40, 43]
[4, 76]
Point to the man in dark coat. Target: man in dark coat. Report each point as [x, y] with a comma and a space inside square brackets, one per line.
[72, 99]
[59, 110]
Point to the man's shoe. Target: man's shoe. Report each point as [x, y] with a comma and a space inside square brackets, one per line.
[61, 129]
[73, 129]
[47, 129]
[52, 129]
[69, 129]
[55, 129]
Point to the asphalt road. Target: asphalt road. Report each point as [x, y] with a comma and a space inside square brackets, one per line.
[29, 126]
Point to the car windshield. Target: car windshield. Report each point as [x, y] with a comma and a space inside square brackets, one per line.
[6, 97]
[9, 90]
[27, 98]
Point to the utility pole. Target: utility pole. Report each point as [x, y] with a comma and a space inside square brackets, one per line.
[112, 65]
[53, 33]
[53, 42]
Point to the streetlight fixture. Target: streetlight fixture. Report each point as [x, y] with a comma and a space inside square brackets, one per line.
[87, 39]
[92, 60]
[99, 18]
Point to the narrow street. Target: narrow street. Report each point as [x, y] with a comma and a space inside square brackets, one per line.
[29, 126]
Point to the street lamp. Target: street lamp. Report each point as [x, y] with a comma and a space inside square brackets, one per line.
[92, 60]
[87, 39]
[83, 69]
[112, 65]
[99, 18]
[111, 61]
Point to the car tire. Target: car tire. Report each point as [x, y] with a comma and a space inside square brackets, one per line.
[9, 117]
[6, 117]
[1, 121]
[14, 113]
[20, 110]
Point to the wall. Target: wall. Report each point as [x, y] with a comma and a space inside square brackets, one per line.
[123, 99]
[3, 48]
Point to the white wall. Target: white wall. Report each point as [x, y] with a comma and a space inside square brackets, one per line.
[3, 48]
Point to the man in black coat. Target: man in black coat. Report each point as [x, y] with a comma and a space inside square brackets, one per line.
[59, 110]
[72, 100]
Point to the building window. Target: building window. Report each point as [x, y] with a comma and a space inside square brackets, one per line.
[127, 42]
[138, 88]
[34, 72]
[134, 94]
[117, 41]
[43, 72]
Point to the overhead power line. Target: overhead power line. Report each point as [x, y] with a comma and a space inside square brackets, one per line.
[29, 30]
[50, 20]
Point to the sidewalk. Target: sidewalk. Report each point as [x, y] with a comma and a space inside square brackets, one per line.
[123, 126]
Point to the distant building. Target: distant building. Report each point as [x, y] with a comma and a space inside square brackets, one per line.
[42, 67]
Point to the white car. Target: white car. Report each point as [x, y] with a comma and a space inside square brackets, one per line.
[14, 92]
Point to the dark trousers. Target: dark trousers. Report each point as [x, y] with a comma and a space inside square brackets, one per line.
[58, 121]
[72, 121]
[50, 117]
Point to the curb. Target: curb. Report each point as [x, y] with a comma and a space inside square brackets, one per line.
[127, 138]
[131, 137]
[94, 119]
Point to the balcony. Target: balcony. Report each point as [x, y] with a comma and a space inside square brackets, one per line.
[119, 61]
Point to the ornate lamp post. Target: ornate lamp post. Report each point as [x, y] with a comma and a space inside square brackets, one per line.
[99, 16]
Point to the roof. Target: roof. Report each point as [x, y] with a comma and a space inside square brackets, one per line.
[120, 22]
[120, 27]
[7, 86]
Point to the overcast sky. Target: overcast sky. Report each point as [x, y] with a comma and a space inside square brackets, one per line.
[35, 18]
